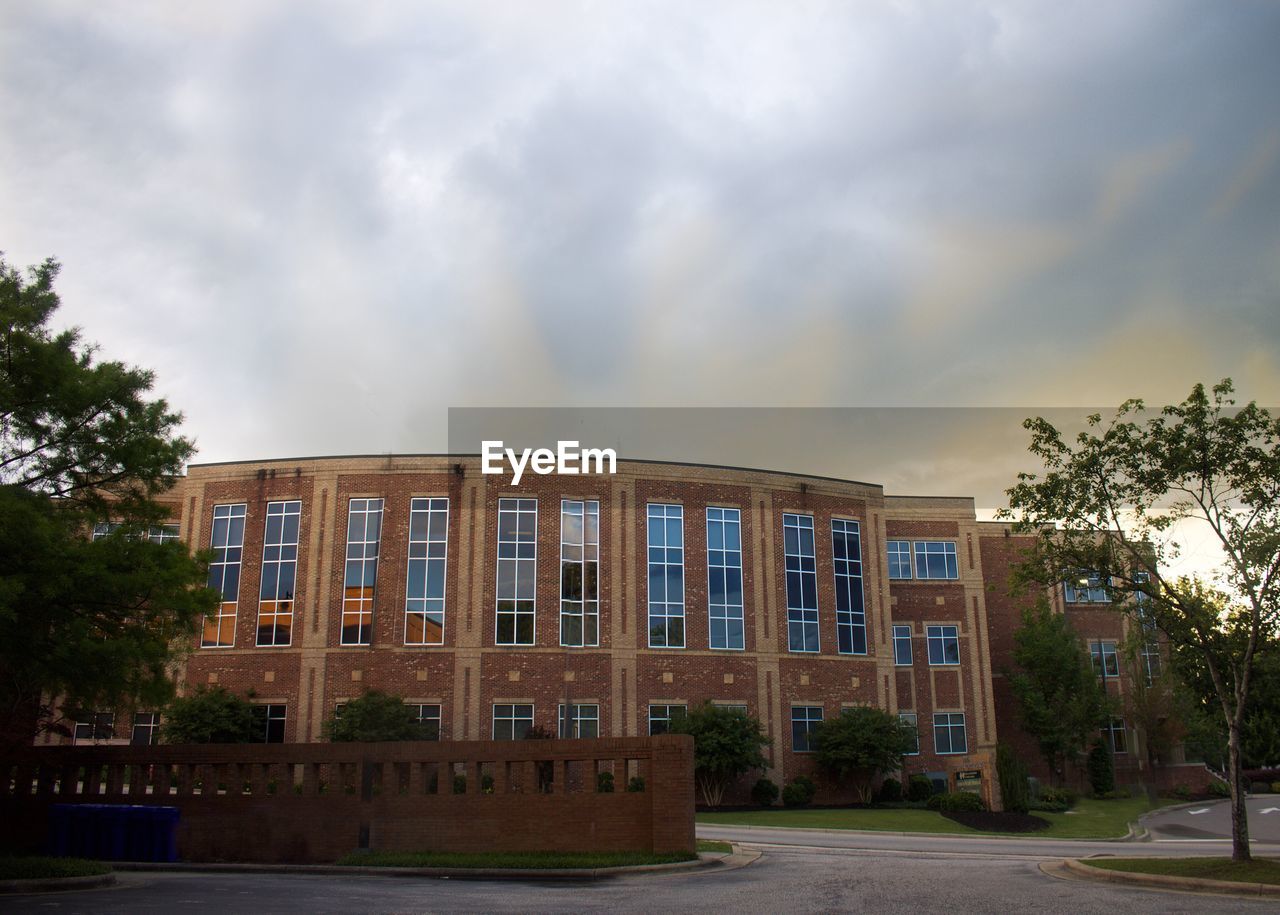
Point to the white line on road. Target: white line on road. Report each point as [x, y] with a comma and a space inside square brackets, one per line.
[1270, 810]
[1196, 812]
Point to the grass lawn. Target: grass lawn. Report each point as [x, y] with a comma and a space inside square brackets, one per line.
[40, 868]
[531, 860]
[1259, 870]
[1090, 819]
[715, 845]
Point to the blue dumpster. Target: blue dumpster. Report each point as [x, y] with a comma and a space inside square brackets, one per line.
[60, 830]
[114, 832]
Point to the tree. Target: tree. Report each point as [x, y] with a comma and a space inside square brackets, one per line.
[1206, 729]
[1107, 503]
[90, 621]
[1154, 699]
[861, 743]
[1015, 787]
[726, 745]
[210, 716]
[1060, 702]
[376, 716]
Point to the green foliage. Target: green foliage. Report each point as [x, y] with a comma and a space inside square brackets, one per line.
[376, 716]
[1012, 772]
[890, 791]
[604, 782]
[459, 783]
[1106, 501]
[1102, 769]
[956, 801]
[636, 785]
[919, 788]
[764, 792]
[726, 745]
[1060, 702]
[210, 716]
[1219, 789]
[799, 791]
[860, 744]
[80, 442]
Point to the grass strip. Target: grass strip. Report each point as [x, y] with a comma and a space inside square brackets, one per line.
[1259, 870]
[511, 861]
[42, 868]
[715, 845]
[1090, 819]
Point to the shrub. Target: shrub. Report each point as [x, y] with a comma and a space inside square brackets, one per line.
[956, 800]
[1275, 787]
[919, 788]
[765, 792]
[1182, 792]
[1055, 800]
[799, 792]
[1102, 770]
[486, 784]
[459, 784]
[636, 785]
[1219, 789]
[604, 782]
[1120, 793]
[891, 791]
[1012, 772]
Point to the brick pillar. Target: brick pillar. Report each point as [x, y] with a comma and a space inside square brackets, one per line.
[671, 792]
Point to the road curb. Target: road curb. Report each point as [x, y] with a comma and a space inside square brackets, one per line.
[703, 861]
[56, 884]
[1167, 882]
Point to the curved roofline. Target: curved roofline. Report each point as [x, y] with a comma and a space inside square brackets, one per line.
[442, 454]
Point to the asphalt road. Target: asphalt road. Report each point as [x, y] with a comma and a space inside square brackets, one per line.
[1204, 821]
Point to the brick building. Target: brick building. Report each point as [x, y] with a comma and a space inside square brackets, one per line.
[601, 605]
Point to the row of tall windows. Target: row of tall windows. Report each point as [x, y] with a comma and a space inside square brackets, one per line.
[517, 558]
[949, 735]
[942, 643]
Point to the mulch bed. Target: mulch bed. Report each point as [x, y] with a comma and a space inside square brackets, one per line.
[987, 821]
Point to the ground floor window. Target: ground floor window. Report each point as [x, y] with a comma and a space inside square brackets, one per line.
[146, 729]
[511, 721]
[948, 733]
[429, 720]
[1115, 736]
[660, 717]
[581, 721]
[270, 722]
[908, 720]
[95, 726]
[804, 721]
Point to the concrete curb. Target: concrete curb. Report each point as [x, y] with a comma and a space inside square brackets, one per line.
[56, 884]
[703, 861]
[1166, 882]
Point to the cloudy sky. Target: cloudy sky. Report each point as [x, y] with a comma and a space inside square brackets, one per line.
[324, 224]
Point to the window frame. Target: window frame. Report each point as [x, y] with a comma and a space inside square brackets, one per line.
[280, 509]
[434, 558]
[914, 722]
[516, 614]
[851, 619]
[898, 640]
[950, 559]
[1092, 593]
[265, 714]
[672, 710]
[1108, 733]
[802, 620]
[895, 554]
[588, 607]
[513, 718]
[577, 718]
[725, 614]
[150, 727]
[937, 634]
[219, 569]
[949, 726]
[364, 603]
[802, 727]
[1104, 657]
[667, 605]
[425, 718]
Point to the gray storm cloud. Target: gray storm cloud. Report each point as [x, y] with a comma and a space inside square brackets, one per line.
[324, 224]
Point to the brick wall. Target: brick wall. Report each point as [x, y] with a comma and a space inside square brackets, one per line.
[317, 802]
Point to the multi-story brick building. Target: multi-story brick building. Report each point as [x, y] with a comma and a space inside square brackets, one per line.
[605, 604]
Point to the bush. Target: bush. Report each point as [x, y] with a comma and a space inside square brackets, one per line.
[764, 792]
[1275, 787]
[636, 785]
[799, 792]
[957, 800]
[604, 783]
[1055, 800]
[1102, 770]
[1121, 793]
[1012, 772]
[459, 784]
[890, 791]
[919, 788]
[1182, 792]
[1218, 789]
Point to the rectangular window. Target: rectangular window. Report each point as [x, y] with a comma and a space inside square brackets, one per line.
[428, 720]
[804, 721]
[944, 644]
[156, 533]
[936, 559]
[899, 558]
[1105, 661]
[1115, 736]
[227, 543]
[517, 571]
[270, 722]
[364, 529]
[724, 578]
[424, 587]
[96, 726]
[579, 573]
[948, 733]
[802, 583]
[279, 571]
[146, 729]
[851, 620]
[660, 717]
[1151, 660]
[902, 646]
[734, 707]
[512, 722]
[583, 721]
[666, 576]
[1086, 588]
[912, 730]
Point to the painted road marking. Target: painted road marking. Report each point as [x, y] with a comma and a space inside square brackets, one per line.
[1270, 810]
[1201, 810]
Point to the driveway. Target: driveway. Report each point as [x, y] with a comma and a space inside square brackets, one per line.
[1213, 820]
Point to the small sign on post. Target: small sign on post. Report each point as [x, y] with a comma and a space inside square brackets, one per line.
[969, 780]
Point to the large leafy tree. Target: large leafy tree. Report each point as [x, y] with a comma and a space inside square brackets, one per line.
[376, 716]
[1060, 702]
[861, 743]
[1108, 501]
[91, 622]
[726, 745]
